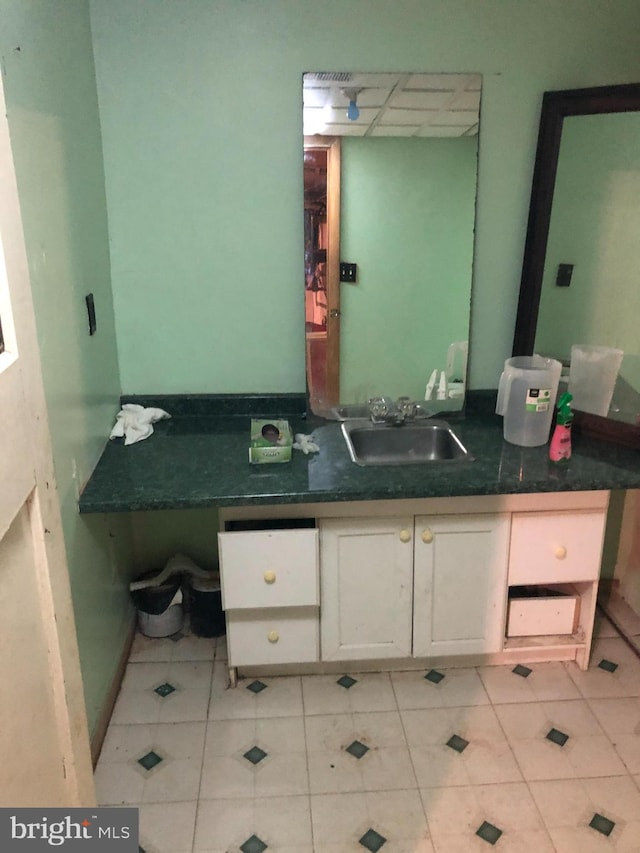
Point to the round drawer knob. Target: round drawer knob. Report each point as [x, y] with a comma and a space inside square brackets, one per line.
[427, 536]
[405, 535]
[269, 577]
[561, 552]
[273, 636]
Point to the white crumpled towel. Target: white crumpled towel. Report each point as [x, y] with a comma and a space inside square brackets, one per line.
[134, 422]
[305, 443]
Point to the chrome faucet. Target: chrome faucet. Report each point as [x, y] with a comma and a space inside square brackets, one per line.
[383, 410]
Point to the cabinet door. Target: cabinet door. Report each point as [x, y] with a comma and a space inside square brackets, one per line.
[366, 589]
[460, 583]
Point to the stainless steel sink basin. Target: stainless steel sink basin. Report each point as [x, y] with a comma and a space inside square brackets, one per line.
[413, 442]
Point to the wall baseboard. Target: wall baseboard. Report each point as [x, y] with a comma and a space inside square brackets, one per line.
[100, 732]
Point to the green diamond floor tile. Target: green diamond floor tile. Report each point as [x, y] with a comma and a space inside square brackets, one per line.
[150, 760]
[253, 845]
[346, 681]
[608, 665]
[357, 749]
[372, 840]
[165, 689]
[458, 743]
[488, 832]
[255, 755]
[556, 736]
[257, 686]
[521, 670]
[434, 676]
[602, 824]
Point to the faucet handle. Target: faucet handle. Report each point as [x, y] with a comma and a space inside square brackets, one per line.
[407, 406]
[379, 408]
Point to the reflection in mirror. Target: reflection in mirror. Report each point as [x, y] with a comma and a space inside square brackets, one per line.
[390, 170]
[581, 262]
[594, 228]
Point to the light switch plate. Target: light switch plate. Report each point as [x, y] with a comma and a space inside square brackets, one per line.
[348, 272]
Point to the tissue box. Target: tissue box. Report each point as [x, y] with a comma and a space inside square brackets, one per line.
[271, 441]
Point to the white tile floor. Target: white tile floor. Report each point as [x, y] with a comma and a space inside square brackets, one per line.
[306, 764]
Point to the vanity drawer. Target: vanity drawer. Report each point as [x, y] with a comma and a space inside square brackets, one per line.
[285, 635]
[269, 568]
[542, 611]
[555, 547]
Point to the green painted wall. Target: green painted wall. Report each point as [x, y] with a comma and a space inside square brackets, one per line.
[595, 224]
[161, 534]
[49, 83]
[200, 117]
[201, 114]
[407, 215]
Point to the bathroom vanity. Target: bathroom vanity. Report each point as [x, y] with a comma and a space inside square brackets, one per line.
[328, 566]
[409, 584]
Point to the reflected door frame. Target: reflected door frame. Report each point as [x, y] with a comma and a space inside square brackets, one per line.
[332, 365]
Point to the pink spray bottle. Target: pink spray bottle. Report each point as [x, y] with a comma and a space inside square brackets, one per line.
[560, 446]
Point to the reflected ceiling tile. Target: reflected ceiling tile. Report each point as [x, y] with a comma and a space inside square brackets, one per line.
[474, 83]
[381, 80]
[377, 93]
[441, 82]
[373, 97]
[395, 130]
[400, 117]
[352, 129]
[337, 115]
[316, 98]
[421, 100]
[469, 100]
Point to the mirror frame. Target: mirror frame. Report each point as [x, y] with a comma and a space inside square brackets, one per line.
[556, 106]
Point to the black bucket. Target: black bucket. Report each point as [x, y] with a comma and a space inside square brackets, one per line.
[205, 607]
[155, 599]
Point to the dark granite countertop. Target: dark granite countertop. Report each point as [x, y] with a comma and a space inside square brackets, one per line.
[199, 458]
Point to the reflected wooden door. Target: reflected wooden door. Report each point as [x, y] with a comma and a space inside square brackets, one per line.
[323, 333]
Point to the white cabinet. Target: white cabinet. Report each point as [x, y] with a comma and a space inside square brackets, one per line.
[423, 586]
[367, 567]
[459, 584]
[407, 580]
[269, 581]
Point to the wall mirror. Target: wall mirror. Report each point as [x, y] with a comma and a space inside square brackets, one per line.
[390, 175]
[582, 258]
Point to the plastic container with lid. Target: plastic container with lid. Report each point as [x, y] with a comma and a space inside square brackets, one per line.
[592, 377]
[526, 398]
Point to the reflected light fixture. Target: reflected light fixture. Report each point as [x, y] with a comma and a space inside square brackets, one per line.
[353, 113]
